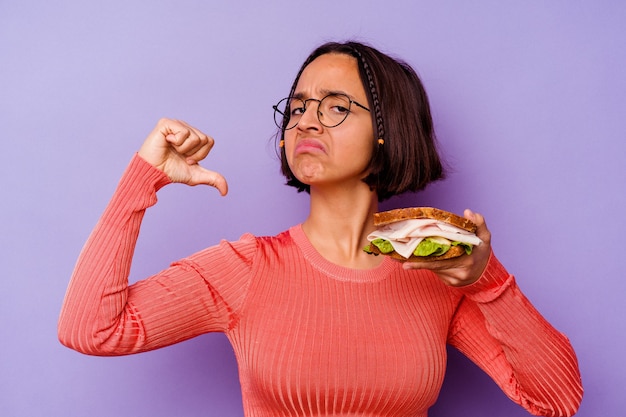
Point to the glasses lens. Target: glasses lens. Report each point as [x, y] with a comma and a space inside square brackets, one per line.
[280, 112]
[334, 109]
[287, 112]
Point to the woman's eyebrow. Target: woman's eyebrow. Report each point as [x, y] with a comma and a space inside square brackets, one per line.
[324, 93]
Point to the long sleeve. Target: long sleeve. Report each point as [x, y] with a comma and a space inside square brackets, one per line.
[103, 315]
[498, 328]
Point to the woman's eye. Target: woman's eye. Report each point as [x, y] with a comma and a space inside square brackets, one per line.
[297, 111]
[339, 109]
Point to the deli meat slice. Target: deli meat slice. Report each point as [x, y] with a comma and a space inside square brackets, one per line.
[405, 235]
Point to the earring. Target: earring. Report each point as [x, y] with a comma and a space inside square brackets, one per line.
[381, 141]
[281, 144]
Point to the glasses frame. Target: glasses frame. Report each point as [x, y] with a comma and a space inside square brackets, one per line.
[283, 126]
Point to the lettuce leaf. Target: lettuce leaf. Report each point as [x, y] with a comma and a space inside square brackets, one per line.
[383, 245]
[426, 247]
[429, 247]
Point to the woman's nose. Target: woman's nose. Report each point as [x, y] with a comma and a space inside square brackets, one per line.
[310, 117]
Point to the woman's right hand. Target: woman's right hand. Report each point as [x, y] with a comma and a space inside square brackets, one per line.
[176, 148]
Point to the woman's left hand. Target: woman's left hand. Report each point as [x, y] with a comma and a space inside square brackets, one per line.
[466, 269]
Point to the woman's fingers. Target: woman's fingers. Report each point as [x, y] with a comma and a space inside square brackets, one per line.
[204, 176]
[176, 148]
[481, 226]
[189, 142]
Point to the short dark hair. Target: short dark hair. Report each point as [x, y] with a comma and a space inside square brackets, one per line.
[408, 160]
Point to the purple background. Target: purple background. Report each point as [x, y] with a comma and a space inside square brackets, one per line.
[529, 103]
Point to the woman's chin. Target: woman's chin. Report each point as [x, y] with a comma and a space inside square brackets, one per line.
[308, 173]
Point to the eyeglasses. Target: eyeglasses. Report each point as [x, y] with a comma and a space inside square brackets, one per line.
[332, 110]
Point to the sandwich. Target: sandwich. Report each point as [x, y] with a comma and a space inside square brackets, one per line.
[421, 234]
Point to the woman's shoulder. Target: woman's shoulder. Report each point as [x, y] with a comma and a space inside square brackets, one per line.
[277, 244]
[247, 247]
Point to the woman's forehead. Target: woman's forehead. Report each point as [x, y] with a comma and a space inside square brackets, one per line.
[330, 73]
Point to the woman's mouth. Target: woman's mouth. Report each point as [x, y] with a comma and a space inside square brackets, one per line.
[309, 146]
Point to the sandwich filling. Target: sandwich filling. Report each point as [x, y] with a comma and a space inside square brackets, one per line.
[421, 237]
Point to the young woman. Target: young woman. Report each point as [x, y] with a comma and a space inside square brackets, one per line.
[318, 326]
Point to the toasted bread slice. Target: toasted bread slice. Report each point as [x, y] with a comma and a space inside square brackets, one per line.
[385, 217]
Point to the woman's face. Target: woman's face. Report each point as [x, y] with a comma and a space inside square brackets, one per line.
[318, 155]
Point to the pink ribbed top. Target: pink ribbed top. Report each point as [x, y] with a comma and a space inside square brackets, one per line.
[312, 338]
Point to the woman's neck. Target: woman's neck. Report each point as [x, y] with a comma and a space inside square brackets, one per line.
[339, 222]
